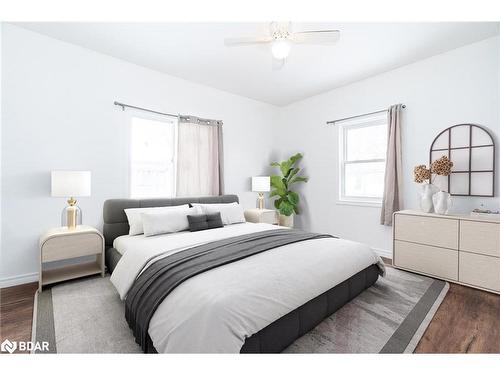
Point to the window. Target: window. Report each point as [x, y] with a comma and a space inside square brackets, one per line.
[153, 157]
[362, 153]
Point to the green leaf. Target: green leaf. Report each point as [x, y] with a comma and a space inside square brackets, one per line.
[277, 184]
[286, 208]
[274, 193]
[293, 198]
[275, 164]
[296, 209]
[292, 173]
[297, 179]
[295, 158]
[277, 203]
[285, 183]
[285, 167]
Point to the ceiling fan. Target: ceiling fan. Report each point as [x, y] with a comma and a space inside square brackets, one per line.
[281, 38]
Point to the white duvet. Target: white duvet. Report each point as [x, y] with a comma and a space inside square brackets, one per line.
[215, 312]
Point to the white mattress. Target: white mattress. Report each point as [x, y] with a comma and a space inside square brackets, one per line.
[217, 310]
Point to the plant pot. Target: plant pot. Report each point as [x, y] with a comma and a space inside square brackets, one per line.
[286, 221]
[426, 204]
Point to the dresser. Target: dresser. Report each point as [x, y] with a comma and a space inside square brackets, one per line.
[461, 249]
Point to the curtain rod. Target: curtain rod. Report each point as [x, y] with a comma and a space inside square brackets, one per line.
[180, 117]
[123, 105]
[364, 114]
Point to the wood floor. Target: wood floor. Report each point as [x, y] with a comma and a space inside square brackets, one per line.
[468, 320]
[16, 312]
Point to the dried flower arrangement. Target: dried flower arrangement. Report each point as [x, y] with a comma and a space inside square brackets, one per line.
[421, 173]
[441, 167]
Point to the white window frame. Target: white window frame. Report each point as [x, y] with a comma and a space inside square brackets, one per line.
[353, 123]
[161, 118]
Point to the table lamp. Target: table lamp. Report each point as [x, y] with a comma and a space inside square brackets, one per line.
[70, 184]
[261, 184]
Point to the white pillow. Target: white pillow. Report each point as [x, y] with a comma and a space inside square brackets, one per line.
[231, 213]
[172, 221]
[135, 219]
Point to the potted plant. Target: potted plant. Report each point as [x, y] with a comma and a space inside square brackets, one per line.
[288, 200]
[424, 175]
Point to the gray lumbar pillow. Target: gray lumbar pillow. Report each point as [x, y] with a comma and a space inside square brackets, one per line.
[202, 222]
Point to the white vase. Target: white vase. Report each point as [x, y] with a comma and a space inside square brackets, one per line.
[442, 202]
[286, 221]
[426, 203]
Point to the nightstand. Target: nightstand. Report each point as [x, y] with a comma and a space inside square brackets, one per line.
[256, 215]
[61, 244]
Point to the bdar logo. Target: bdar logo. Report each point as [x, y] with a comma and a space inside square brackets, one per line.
[8, 346]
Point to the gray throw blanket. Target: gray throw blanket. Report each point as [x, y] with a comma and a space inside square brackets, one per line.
[154, 284]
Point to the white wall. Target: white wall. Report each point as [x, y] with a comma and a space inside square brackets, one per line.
[459, 86]
[58, 113]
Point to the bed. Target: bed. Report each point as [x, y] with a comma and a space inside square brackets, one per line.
[257, 304]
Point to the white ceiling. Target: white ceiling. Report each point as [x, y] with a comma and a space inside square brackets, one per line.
[196, 52]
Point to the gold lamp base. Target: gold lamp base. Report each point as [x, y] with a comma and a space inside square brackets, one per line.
[260, 201]
[71, 214]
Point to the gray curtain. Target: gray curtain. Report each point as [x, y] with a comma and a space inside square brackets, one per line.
[392, 199]
[199, 157]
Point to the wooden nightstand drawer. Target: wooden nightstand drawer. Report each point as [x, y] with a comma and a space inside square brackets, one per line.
[480, 238]
[71, 246]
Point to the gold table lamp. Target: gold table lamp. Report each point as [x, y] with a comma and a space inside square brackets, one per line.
[70, 184]
[261, 184]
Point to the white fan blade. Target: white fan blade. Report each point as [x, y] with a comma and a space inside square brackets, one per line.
[316, 37]
[247, 41]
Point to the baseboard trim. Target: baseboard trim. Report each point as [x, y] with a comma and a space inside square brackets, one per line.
[18, 279]
[383, 252]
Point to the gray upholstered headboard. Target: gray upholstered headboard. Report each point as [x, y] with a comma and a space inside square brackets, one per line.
[115, 220]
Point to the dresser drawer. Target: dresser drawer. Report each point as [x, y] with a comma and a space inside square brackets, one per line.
[71, 246]
[427, 230]
[431, 260]
[480, 270]
[479, 237]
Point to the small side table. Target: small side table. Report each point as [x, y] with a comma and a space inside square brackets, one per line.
[63, 243]
[256, 215]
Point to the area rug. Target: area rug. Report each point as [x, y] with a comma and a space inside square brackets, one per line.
[86, 316]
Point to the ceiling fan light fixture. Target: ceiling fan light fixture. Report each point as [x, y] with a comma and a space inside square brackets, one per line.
[280, 48]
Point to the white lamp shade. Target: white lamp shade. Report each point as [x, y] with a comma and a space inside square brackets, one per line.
[261, 183]
[70, 183]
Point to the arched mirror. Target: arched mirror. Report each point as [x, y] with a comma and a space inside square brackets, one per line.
[471, 148]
